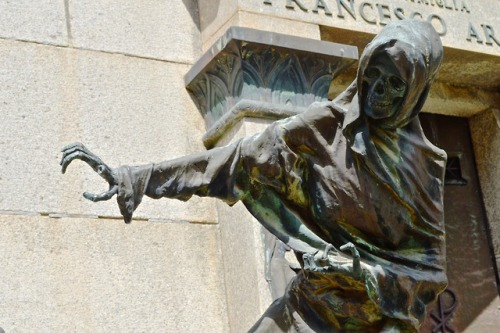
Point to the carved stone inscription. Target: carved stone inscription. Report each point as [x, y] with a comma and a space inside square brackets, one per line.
[383, 12]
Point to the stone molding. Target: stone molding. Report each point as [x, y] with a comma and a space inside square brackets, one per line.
[258, 74]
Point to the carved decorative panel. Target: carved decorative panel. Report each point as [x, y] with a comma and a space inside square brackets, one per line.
[251, 73]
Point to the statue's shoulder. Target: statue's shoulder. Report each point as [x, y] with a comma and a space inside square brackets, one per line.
[324, 109]
[321, 119]
[327, 113]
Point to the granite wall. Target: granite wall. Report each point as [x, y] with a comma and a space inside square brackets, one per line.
[110, 74]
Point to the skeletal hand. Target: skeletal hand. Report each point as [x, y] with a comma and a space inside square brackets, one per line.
[321, 263]
[80, 152]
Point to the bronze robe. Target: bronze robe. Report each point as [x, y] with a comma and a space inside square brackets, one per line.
[333, 175]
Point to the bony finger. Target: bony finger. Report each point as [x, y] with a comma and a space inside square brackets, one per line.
[67, 159]
[72, 145]
[64, 165]
[101, 197]
[328, 249]
[72, 150]
[76, 149]
[89, 196]
[69, 151]
[352, 248]
[82, 155]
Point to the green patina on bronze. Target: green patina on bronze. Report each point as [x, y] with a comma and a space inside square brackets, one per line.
[357, 171]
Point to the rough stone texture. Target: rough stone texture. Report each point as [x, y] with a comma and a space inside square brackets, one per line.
[214, 15]
[167, 30]
[485, 130]
[126, 109]
[41, 21]
[266, 23]
[488, 320]
[248, 294]
[456, 21]
[97, 275]
[276, 24]
[456, 101]
[466, 69]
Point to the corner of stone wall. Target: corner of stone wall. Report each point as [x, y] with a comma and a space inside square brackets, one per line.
[485, 132]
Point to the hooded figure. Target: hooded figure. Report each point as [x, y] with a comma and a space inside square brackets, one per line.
[355, 171]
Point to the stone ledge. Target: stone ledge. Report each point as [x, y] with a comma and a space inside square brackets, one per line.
[89, 275]
[258, 74]
[249, 35]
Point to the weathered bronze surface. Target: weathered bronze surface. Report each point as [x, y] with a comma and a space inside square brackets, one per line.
[356, 174]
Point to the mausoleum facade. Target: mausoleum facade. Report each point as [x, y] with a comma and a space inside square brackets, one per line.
[145, 81]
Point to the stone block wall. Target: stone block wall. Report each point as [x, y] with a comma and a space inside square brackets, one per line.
[485, 131]
[108, 74]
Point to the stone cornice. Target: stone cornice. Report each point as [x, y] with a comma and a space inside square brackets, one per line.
[252, 73]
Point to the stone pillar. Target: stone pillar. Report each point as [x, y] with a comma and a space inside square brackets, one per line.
[485, 131]
[246, 80]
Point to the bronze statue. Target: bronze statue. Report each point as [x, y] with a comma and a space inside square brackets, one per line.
[355, 174]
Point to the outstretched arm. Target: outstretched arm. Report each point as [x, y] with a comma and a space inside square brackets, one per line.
[266, 172]
[209, 173]
[128, 183]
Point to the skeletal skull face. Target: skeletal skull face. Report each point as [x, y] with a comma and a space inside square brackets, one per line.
[384, 88]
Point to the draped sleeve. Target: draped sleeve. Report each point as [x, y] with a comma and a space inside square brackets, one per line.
[209, 173]
[266, 172]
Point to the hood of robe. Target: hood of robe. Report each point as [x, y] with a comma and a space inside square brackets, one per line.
[416, 51]
[394, 150]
